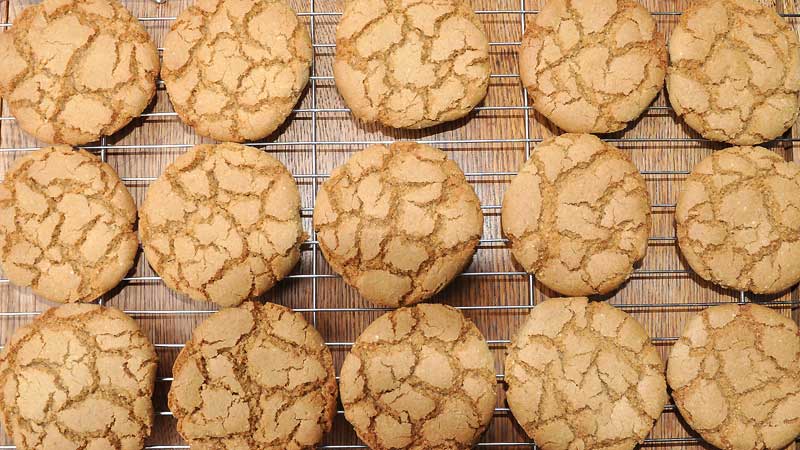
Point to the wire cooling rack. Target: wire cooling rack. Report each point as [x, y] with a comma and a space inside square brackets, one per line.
[489, 145]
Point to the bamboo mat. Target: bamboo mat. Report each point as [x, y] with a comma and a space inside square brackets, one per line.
[487, 144]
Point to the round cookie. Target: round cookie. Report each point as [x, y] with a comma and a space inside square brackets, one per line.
[76, 70]
[734, 72]
[222, 223]
[577, 215]
[738, 220]
[419, 378]
[398, 222]
[735, 377]
[584, 374]
[592, 66]
[255, 377]
[411, 64]
[66, 225]
[78, 376]
[234, 69]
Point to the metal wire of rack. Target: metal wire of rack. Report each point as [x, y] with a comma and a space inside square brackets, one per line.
[315, 177]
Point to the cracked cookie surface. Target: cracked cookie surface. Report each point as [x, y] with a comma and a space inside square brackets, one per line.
[222, 223]
[66, 225]
[738, 220]
[420, 377]
[76, 70]
[411, 63]
[735, 377]
[234, 69]
[734, 72]
[584, 374]
[398, 222]
[78, 377]
[577, 215]
[591, 66]
[255, 377]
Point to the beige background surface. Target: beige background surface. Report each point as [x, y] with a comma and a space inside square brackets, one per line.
[490, 145]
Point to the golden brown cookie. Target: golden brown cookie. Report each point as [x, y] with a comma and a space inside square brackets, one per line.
[738, 220]
[398, 222]
[419, 378]
[584, 374]
[78, 376]
[76, 70]
[411, 64]
[255, 377]
[578, 215]
[222, 223]
[734, 72]
[735, 377]
[591, 66]
[66, 225]
[234, 69]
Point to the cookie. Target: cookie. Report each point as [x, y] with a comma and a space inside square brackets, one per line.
[592, 66]
[577, 215]
[411, 64]
[584, 374]
[734, 73]
[735, 377]
[234, 69]
[255, 377]
[222, 223]
[419, 378]
[76, 70]
[738, 220]
[398, 222]
[66, 225]
[78, 376]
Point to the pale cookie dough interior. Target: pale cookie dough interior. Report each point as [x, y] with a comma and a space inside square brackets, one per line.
[76, 70]
[256, 377]
[738, 220]
[577, 215]
[411, 63]
[398, 222]
[735, 377]
[222, 223]
[66, 225]
[584, 374]
[78, 377]
[734, 72]
[591, 66]
[234, 69]
[419, 378]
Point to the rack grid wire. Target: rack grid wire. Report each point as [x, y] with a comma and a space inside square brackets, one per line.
[489, 145]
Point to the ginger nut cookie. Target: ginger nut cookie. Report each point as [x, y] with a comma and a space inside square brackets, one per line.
[577, 215]
[76, 70]
[584, 374]
[734, 73]
[256, 377]
[735, 377]
[234, 69]
[78, 376]
[66, 225]
[411, 64]
[738, 220]
[420, 377]
[592, 66]
[398, 222]
[222, 223]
